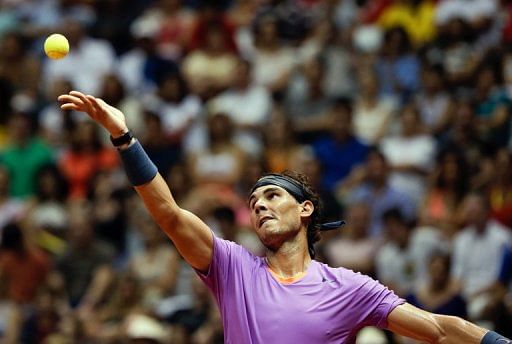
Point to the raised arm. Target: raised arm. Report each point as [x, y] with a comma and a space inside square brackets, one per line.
[190, 235]
[409, 321]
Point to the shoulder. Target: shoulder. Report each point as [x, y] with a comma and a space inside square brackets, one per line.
[233, 250]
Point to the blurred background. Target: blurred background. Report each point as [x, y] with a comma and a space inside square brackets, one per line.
[398, 111]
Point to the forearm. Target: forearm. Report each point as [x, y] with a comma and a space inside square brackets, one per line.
[455, 330]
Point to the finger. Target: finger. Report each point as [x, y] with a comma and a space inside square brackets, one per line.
[68, 98]
[69, 106]
[83, 98]
[96, 103]
[77, 94]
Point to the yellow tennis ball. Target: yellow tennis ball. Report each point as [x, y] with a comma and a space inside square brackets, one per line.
[56, 46]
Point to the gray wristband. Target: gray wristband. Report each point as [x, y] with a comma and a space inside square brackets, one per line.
[492, 337]
[138, 166]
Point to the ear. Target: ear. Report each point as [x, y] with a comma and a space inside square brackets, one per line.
[307, 208]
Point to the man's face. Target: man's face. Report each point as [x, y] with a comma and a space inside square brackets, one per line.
[275, 215]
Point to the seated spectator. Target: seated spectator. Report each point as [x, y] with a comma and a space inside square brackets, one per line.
[23, 267]
[86, 265]
[306, 98]
[11, 209]
[370, 184]
[280, 142]
[24, 156]
[106, 196]
[373, 113]
[439, 293]
[463, 136]
[500, 188]
[339, 151]
[179, 111]
[86, 156]
[433, 101]
[403, 258]
[410, 155]
[394, 263]
[222, 162]
[55, 124]
[155, 268]
[477, 253]
[210, 68]
[17, 66]
[448, 186]
[398, 69]
[124, 299]
[248, 105]
[492, 107]
[352, 248]
[46, 214]
[273, 62]
[161, 148]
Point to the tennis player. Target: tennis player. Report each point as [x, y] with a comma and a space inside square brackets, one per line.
[285, 297]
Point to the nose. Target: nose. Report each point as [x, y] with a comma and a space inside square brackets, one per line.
[259, 205]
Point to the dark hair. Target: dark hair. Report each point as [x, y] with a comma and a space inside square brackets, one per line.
[12, 238]
[61, 184]
[396, 214]
[313, 230]
[224, 213]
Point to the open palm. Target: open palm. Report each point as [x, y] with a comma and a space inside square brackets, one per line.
[108, 116]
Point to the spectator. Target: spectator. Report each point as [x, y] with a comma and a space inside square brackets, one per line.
[209, 69]
[339, 151]
[86, 156]
[440, 293]
[492, 108]
[373, 114]
[500, 188]
[155, 268]
[434, 102]
[449, 183]
[179, 111]
[248, 105]
[477, 253]
[23, 267]
[398, 69]
[353, 248]
[11, 210]
[370, 184]
[46, 215]
[86, 265]
[223, 161]
[410, 155]
[21, 69]
[24, 156]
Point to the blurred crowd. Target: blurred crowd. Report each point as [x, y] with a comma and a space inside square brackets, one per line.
[398, 111]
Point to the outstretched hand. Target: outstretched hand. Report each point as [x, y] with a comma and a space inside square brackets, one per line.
[108, 116]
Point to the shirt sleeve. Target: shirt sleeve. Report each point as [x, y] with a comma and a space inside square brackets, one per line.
[229, 261]
[374, 301]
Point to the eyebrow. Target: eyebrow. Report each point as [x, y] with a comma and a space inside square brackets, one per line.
[264, 192]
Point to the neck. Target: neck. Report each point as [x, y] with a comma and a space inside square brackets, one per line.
[292, 258]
